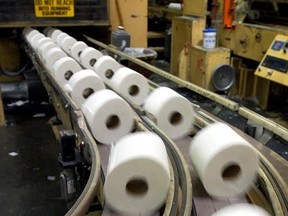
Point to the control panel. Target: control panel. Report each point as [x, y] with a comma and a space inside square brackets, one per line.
[274, 65]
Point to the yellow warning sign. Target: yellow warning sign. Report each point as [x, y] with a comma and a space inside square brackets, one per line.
[54, 8]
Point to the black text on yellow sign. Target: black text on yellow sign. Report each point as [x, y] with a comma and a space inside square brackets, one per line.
[54, 8]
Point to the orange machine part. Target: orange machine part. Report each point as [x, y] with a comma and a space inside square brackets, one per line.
[228, 13]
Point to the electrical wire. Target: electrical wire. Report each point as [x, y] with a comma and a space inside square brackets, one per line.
[15, 73]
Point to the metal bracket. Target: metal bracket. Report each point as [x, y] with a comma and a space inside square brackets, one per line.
[265, 137]
[70, 155]
[258, 132]
[217, 109]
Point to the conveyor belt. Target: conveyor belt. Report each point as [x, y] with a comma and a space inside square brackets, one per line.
[273, 171]
[64, 104]
[271, 164]
[273, 168]
[62, 101]
[223, 101]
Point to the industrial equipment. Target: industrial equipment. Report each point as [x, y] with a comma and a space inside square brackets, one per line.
[206, 71]
[223, 77]
[77, 134]
[210, 68]
[274, 65]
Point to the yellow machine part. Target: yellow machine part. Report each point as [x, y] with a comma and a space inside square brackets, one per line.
[274, 65]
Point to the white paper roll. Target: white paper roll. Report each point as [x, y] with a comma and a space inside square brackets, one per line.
[89, 57]
[60, 38]
[106, 67]
[31, 34]
[242, 210]
[64, 68]
[67, 43]
[108, 115]
[77, 49]
[54, 34]
[131, 84]
[138, 178]
[170, 111]
[26, 30]
[48, 30]
[225, 163]
[35, 39]
[43, 41]
[83, 84]
[52, 55]
[175, 6]
[44, 48]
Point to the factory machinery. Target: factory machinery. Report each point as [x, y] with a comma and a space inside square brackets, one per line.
[59, 59]
[87, 155]
[245, 32]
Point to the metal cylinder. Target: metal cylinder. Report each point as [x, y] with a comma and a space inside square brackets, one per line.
[31, 89]
[14, 90]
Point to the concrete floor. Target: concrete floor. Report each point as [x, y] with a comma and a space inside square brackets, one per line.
[25, 188]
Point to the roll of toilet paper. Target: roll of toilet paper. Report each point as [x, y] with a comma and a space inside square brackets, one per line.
[54, 33]
[44, 48]
[43, 41]
[106, 68]
[89, 57]
[52, 55]
[108, 115]
[170, 111]
[242, 209]
[67, 43]
[83, 84]
[175, 6]
[35, 39]
[64, 68]
[31, 34]
[48, 31]
[77, 49]
[26, 30]
[138, 178]
[60, 38]
[225, 163]
[131, 84]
